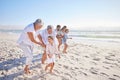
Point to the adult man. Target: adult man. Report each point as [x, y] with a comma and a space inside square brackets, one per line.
[27, 40]
[43, 37]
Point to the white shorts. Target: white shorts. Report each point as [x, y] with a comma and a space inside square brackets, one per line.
[50, 60]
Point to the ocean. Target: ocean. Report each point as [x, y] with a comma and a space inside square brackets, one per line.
[108, 36]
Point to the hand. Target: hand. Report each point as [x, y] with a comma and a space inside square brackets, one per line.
[43, 45]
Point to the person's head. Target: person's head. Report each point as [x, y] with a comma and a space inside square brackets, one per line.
[66, 30]
[58, 27]
[49, 29]
[50, 39]
[38, 24]
[63, 28]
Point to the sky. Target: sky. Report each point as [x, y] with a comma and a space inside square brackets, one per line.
[76, 14]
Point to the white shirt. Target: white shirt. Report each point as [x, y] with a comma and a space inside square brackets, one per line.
[24, 36]
[51, 49]
[44, 34]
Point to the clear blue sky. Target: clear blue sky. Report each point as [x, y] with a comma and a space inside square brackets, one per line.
[74, 13]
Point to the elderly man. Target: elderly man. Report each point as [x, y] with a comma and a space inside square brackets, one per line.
[43, 37]
[27, 40]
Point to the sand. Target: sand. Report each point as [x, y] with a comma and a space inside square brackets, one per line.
[84, 61]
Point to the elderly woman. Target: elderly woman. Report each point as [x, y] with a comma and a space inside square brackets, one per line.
[26, 41]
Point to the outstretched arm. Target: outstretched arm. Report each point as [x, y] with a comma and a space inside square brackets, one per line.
[40, 38]
[30, 35]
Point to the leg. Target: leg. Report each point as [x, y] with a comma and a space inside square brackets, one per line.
[44, 57]
[47, 66]
[26, 69]
[60, 43]
[65, 48]
[28, 54]
[52, 65]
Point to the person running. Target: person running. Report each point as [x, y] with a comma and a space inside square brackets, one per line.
[64, 40]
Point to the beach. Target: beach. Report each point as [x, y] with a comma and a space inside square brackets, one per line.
[85, 60]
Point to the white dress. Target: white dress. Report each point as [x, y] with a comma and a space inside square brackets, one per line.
[51, 49]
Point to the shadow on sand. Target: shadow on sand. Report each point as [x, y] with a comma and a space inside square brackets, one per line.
[11, 63]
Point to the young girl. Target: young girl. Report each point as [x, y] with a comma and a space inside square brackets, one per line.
[51, 50]
[64, 40]
[62, 35]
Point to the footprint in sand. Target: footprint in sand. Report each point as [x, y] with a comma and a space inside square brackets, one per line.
[76, 68]
[57, 71]
[73, 73]
[68, 75]
[83, 73]
[106, 67]
[66, 67]
[112, 79]
[118, 76]
[118, 60]
[86, 56]
[94, 70]
[109, 58]
[94, 63]
[96, 59]
[60, 64]
[102, 73]
[77, 59]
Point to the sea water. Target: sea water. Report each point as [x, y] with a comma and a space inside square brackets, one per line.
[78, 35]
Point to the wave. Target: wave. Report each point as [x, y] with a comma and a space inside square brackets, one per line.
[96, 35]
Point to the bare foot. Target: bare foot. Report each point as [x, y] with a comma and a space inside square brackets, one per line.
[27, 71]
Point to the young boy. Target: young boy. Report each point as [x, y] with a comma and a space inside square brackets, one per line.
[51, 50]
[64, 40]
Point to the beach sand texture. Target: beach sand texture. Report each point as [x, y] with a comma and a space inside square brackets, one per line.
[84, 61]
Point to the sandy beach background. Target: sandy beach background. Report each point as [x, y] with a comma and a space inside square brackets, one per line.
[85, 60]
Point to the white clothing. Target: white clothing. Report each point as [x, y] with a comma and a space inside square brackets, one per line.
[58, 32]
[62, 33]
[51, 49]
[44, 34]
[28, 50]
[26, 44]
[24, 36]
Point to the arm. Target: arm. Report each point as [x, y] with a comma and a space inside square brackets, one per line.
[40, 38]
[67, 36]
[30, 35]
